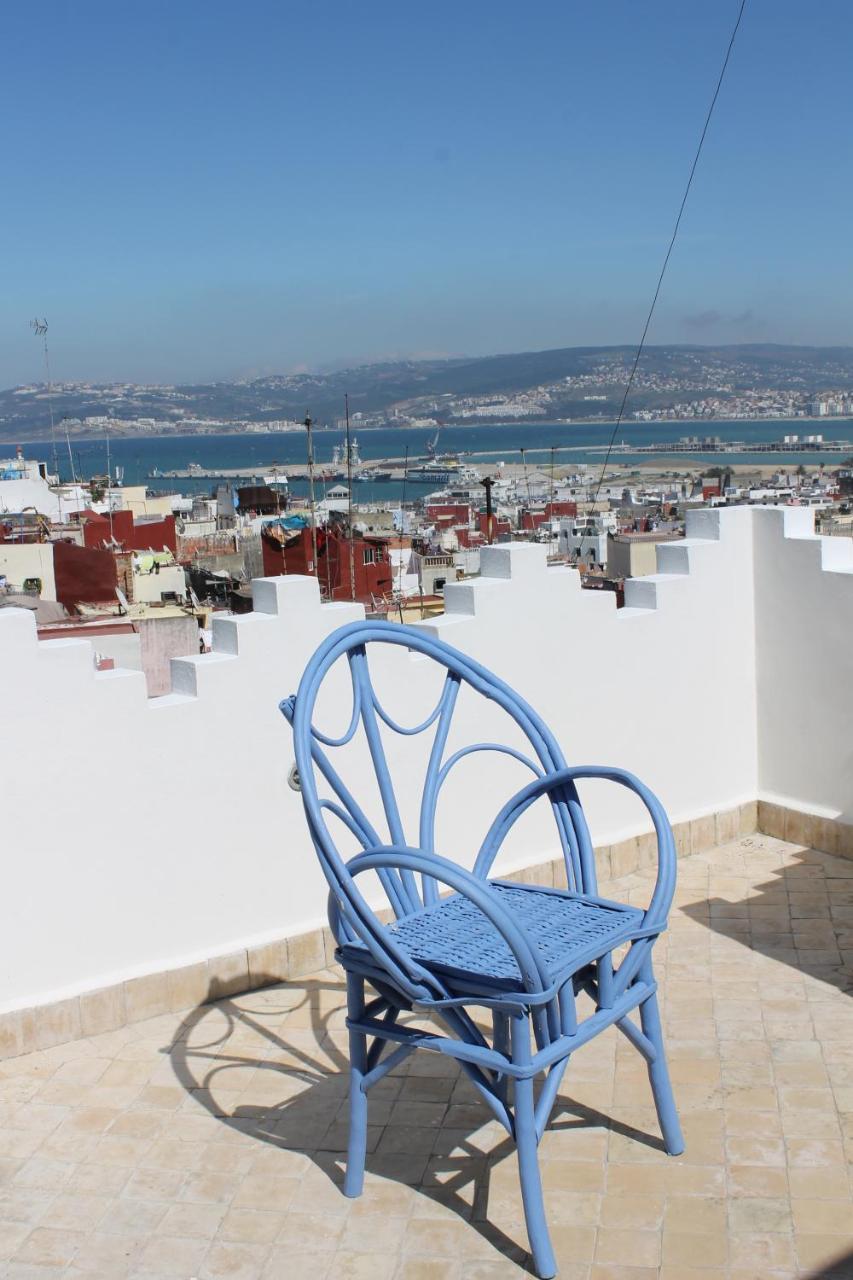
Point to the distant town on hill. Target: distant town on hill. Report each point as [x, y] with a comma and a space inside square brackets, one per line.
[577, 384]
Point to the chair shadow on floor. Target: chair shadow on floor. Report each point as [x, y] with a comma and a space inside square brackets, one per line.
[243, 1034]
[802, 915]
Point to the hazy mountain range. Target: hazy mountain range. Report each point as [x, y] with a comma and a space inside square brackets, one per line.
[569, 375]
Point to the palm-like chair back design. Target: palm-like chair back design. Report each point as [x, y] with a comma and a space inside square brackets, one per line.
[521, 953]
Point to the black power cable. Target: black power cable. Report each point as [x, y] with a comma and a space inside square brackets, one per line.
[668, 254]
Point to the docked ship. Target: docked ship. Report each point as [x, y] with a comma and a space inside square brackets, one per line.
[447, 471]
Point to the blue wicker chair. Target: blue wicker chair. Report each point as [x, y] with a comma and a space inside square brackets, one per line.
[521, 952]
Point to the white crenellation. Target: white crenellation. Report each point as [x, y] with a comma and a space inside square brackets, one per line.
[141, 835]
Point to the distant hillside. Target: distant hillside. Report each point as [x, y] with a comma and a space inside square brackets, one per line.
[665, 371]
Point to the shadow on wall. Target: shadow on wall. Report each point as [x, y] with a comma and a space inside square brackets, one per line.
[438, 1143]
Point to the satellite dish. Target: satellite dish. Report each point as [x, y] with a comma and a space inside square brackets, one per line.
[122, 600]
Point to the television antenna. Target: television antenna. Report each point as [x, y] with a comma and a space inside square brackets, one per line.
[39, 328]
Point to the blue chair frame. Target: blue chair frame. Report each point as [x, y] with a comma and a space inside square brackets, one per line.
[524, 952]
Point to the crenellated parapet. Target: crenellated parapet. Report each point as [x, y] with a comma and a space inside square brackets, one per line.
[147, 835]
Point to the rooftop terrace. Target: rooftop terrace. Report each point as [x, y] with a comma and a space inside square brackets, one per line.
[171, 1039]
[211, 1144]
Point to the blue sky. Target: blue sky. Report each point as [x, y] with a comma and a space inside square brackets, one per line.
[212, 190]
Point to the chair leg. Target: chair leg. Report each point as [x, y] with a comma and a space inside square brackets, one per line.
[528, 1159]
[357, 1146]
[659, 1078]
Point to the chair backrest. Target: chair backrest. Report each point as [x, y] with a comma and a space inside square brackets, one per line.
[312, 749]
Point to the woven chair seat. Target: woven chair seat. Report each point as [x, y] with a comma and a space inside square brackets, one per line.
[454, 939]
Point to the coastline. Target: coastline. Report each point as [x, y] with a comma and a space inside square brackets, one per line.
[705, 424]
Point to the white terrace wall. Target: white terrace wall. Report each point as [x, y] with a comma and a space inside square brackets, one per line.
[804, 664]
[142, 835]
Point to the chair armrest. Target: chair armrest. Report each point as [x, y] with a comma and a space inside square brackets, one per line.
[474, 889]
[661, 901]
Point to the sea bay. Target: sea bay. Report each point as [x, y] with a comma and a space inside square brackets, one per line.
[574, 446]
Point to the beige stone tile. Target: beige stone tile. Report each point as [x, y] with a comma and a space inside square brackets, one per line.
[119, 1150]
[817, 1184]
[187, 987]
[138, 1124]
[612, 1271]
[146, 997]
[227, 975]
[137, 1218]
[695, 1214]
[821, 1254]
[727, 826]
[627, 1248]
[683, 843]
[762, 1254]
[210, 1188]
[11, 1033]
[107, 1255]
[41, 1174]
[624, 857]
[75, 1212]
[694, 1180]
[253, 1226]
[633, 1211]
[172, 1256]
[99, 1179]
[755, 1151]
[49, 1247]
[102, 1010]
[693, 1249]
[748, 818]
[635, 1180]
[153, 1184]
[268, 963]
[167, 1154]
[283, 1262]
[203, 1220]
[305, 953]
[226, 1260]
[844, 839]
[702, 833]
[362, 1266]
[275, 1194]
[799, 827]
[759, 1215]
[51, 1024]
[823, 1217]
[311, 1234]
[573, 1175]
[771, 819]
[367, 1232]
[757, 1181]
[444, 1269]
[679, 1272]
[814, 1152]
[12, 1236]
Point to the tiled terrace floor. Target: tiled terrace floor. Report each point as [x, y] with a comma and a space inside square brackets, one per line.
[210, 1146]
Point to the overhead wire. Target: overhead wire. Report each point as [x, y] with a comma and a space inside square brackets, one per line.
[668, 255]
